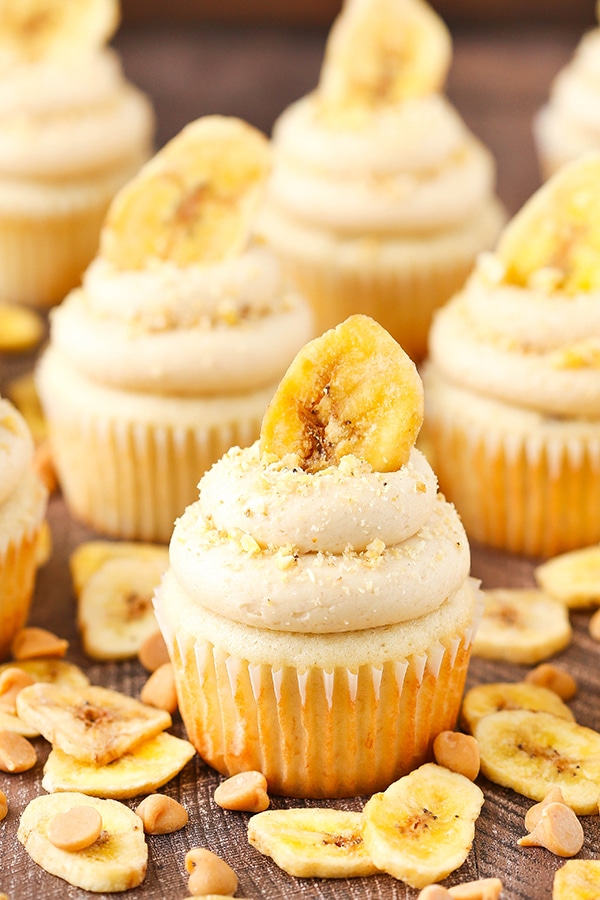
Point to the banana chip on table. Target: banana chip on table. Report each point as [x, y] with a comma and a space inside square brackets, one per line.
[312, 843]
[141, 770]
[573, 577]
[194, 201]
[116, 861]
[521, 625]
[422, 827]
[353, 390]
[532, 752]
[484, 699]
[20, 328]
[92, 724]
[44, 669]
[578, 879]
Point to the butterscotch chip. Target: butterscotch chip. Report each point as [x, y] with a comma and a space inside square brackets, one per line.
[594, 626]
[457, 752]
[12, 680]
[558, 830]
[75, 829]
[16, 753]
[30, 643]
[3, 806]
[482, 889]
[246, 791]
[434, 892]
[550, 676]
[153, 652]
[534, 813]
[209, 874]
[159, 690]
[161, 814]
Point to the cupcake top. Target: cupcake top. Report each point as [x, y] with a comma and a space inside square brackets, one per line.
[332, 521]
[65, 106]
[357, 153]
[568, 126]
[181, 298]
[16, 449]
[526, 328]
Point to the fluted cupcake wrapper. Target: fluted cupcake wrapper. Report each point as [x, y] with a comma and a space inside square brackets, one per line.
[18, 566]
[319, 733]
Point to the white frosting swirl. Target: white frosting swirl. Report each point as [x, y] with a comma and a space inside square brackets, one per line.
[533, 347]
[64, 117]
[386, 175]
[200, 329]
[413, 550]
[16, 449]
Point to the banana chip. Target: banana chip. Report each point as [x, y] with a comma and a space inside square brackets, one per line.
[578, 879]
[351, 391]
[141, 770]
[312, 843]
[89, 556]
[116, 861]
[422, 827]
[92, 724]
[521, 626]
[20, 328]
[532, 752]
[573, 577]
[51, 670]
[484, 699]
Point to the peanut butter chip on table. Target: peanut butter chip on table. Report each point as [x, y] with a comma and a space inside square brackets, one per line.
[209, 874]
[30, 643]
[161, 814]
[16, 753]
[153, 652]
[558, 830]
[550, 676]
[457, 752]
[246, 791]
[12, 680]
[75, 829]
[3, 806]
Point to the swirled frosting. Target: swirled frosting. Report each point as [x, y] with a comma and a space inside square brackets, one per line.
[384, 174]
[207, 329]
[16, 449]
[22, 495]
[70, 117]
[343, 549]
[534, 347]
[569, 124]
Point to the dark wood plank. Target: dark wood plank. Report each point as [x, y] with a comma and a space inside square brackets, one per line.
[497, 81]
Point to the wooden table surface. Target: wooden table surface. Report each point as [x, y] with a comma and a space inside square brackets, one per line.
[497, 81]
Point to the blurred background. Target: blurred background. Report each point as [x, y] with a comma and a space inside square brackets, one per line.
[250, 58]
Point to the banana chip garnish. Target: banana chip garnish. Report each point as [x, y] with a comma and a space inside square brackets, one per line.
[573, 577]
[578, 879]
[353, 390]
[485, 699]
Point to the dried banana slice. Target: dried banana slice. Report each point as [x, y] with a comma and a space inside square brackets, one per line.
[116, 861]
[312, 843]
[532, 752]
[89, 556]
[381, 52]
[194, 202]
[351, 391]
[521, 626]
[93, 724]
[578, 879]
[141, 770]
[51, 670]
[422, 827]
[484, 699]
[10, 722]
[114, 610]
[573, 577]
[556, 234]
[20, 328]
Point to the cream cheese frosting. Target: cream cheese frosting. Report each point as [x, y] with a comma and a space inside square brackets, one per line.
[200, 329]
[16, 449]
[58, 119]
[385, 174]
[569, 124]
[534, 347]
[344, 549]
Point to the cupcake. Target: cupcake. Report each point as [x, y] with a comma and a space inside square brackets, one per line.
[513, 383]
[318, 608]
[72, 132]
[380, 197]
[170, 350]
[22, 514]
[568, 125]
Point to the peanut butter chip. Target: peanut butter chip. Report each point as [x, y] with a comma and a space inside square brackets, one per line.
[3, 806]
[30, 643]
[534, 813]
[75, 829]
[482, 889]
[594, 626]
[12, 680]
[549, 676]
[159, 690]
[16, 753]
[209, 874]
[558, 830]
[153, 652]
[246, 791]
[161, 814]
[457, 752]
[434, 892]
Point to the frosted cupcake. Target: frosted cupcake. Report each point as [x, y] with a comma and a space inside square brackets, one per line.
[22, 512]
[568, 125]
[317, 608]
[380, 196]
[513, 388]
[170, 351]
[72, 132]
